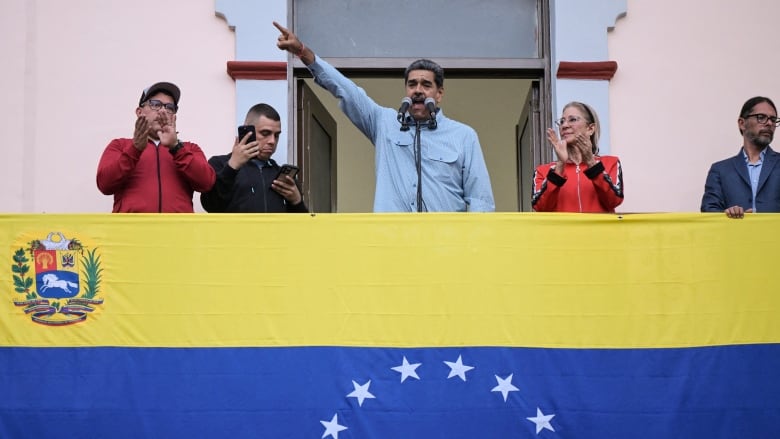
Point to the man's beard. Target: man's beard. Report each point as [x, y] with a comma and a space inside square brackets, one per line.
[761, 140]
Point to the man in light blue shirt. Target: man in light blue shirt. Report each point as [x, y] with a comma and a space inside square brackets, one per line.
[453, 174]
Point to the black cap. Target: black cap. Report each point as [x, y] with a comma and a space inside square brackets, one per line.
[165, 87]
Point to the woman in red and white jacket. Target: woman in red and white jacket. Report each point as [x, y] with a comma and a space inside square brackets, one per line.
[579, 180]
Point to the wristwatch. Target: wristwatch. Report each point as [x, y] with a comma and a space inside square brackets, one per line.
[174, 149]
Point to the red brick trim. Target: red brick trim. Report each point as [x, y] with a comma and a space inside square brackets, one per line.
[257, 70]
[587, 70]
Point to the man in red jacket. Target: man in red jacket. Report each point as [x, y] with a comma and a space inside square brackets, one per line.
[154, 171]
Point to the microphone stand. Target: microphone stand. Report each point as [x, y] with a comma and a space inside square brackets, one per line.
[432, 125]
[418, 163]
[404, 123]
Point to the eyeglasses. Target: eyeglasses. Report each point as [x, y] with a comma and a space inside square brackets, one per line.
[571, 119]
[761, 118]
[156, 105]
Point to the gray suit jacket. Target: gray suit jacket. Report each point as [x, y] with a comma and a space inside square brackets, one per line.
[728, 184]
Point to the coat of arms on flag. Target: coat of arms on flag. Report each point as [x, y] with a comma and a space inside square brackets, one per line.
[64, 283]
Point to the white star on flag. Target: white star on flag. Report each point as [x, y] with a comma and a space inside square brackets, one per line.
[505, 386]
[407, 370]
[542, 421]
[332, 427]
[458, 369]
[361, 392]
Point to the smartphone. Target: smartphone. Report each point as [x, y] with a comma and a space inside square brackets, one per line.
[290, 170]
[243, 130]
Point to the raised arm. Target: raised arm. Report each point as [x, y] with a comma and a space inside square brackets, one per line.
[289, 41]
[353, 100]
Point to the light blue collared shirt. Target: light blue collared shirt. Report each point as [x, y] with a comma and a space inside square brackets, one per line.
[454, 174]
[754, 172]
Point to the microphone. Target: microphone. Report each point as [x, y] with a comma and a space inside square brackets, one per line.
[405, 104]
[430, 105]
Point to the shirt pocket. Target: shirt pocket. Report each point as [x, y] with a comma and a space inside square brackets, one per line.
[402, 140]
[443, 162]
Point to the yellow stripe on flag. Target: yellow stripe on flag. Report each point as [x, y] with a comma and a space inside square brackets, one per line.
[532, 280]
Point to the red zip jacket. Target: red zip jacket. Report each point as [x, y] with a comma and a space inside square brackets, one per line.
[580, 189]
[153, 180]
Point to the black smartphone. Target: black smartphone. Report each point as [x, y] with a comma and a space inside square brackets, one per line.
[243, 130]
[290, 170]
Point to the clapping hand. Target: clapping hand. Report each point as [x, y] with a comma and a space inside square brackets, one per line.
[167, 131]
[584, 149]
[559, 145]
[141, 133]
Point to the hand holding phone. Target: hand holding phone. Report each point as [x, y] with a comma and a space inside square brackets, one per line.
[290, 170]
[243, 130]
[289, 191]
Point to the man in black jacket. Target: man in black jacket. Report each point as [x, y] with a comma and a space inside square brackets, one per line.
[246, 178]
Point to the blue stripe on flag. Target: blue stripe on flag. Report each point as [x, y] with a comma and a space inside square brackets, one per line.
[709, 392]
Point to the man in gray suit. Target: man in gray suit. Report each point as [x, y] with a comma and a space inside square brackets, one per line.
[749, 181]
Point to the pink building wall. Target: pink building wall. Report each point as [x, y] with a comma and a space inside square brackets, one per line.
[73, 73]
[685, 69]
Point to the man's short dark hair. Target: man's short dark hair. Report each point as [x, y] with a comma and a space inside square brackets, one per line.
[426, 64]
[751, 103]
[261, 110]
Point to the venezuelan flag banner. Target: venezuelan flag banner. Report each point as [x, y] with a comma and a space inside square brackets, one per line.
[389, 326]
